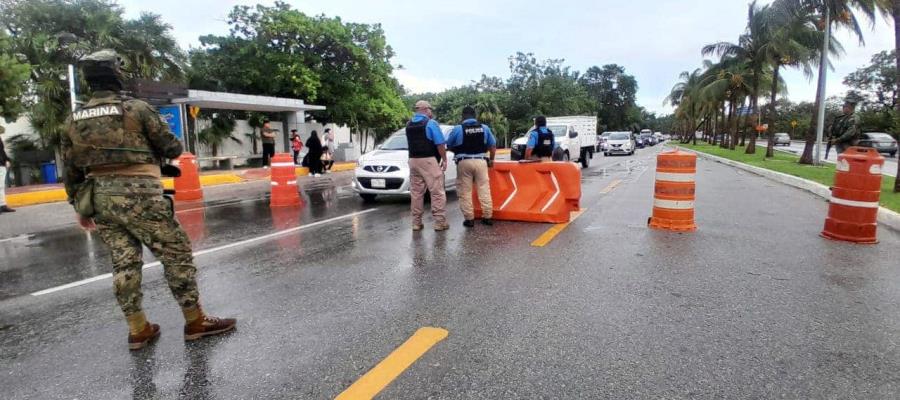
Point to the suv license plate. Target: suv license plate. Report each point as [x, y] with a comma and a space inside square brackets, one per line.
[379, 183]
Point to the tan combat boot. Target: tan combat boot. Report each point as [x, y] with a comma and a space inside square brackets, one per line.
[207, 326]
[144, 338]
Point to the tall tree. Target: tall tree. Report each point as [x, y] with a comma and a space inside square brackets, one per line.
[839, 14]
[51, 34]
[280, 51]
[615, 93]
[13, 80]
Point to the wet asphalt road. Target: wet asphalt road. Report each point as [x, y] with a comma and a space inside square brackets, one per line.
[753, 305]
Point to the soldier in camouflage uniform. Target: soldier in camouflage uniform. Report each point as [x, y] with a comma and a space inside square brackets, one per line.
[845, 128]
[113, 148]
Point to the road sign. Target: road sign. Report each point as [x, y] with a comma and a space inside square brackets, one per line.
[195, 111]
[762, 128]
[794, 124]
[172, 115]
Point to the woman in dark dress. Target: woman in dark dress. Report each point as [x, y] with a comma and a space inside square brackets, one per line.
[314, 145]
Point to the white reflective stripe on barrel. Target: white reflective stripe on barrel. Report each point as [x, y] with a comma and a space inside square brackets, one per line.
[674, 204]
[672, 177]
[875, 169]
[853, 203]
[292, 182]
[274, 183]
[283, 164]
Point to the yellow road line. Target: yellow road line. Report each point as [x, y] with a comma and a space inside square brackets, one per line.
[374, 381]
[551, 233]
[612, 186]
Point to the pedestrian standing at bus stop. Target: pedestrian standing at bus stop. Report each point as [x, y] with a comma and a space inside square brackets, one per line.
[427, 163]
[4, 169]
[475, 147]
[112, 149]
[268, 143]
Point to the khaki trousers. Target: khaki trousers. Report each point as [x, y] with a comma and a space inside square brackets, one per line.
[425, 173]
[469, 172]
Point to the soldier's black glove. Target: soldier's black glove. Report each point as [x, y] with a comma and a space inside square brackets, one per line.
[170, 171]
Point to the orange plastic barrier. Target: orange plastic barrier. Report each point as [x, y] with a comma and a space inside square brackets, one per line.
[853, 209]
[187, 186]
[533, 192]
[673, 199]
[284, 181]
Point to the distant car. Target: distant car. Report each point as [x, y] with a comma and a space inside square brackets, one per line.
[385, 171]
[620, 143]
[880, 141]
[782, 139]
[639, 142]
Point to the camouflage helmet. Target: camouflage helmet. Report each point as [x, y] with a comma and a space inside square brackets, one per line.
[852, 99]
[102, 65]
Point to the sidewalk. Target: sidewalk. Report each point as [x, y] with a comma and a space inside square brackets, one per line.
[40, 194]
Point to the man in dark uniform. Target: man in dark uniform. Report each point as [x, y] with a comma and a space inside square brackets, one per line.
[845, 129]
[541, 142]
[475, 147]
[4, 169]
[427, 163]
[112, 149]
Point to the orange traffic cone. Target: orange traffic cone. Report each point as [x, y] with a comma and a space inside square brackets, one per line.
[187, 186]
[673, 201]
[284, 181]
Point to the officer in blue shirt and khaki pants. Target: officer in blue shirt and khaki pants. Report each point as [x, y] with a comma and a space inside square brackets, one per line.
[475, 147]
[541, 141]
[427, 163]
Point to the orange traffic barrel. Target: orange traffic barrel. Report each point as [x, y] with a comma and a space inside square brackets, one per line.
[673, 199]
[853, 208]
[187, 186]
[284, 181]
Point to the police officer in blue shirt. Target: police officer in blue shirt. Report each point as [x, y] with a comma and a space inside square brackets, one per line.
[427, 163]
[541, 142]
[475, 147]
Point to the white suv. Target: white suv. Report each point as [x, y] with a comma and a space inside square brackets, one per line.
[385, 170]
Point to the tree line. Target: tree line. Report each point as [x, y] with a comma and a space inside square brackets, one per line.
[724, 94]
[546, 87]
[272, 51]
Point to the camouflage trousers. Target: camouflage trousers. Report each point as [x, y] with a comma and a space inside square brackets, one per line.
[131, 212]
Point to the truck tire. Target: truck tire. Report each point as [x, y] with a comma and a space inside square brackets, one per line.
[585, 159]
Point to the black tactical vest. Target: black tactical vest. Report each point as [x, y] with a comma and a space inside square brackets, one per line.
[419, 145]
[473, 139]
[544, 146]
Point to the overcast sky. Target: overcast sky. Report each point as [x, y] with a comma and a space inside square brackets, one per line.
[442, 44]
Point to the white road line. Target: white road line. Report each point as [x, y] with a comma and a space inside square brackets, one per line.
[211, 250]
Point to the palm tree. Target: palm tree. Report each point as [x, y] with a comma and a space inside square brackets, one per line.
[728, 81]
[794, 42]
[750, 50]
[220, 129]
[685, 97]
[832, 14]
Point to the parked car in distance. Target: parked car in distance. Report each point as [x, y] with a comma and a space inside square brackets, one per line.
[385, 170]
[782, 139]
[620, 143]
[880, 141]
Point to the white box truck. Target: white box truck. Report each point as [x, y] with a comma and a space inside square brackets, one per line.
[576, 137]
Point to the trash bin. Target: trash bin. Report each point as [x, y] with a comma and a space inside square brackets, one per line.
[48, 172]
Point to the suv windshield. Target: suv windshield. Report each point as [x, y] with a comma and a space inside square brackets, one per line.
[618, 136]
[396, 142]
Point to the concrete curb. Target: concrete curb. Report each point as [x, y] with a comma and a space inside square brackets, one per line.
[886, 217]
[59, 195]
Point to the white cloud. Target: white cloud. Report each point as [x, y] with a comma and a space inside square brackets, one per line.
[416, 84]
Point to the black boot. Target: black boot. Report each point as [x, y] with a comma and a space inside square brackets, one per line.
[488, 222]
[469, 223]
